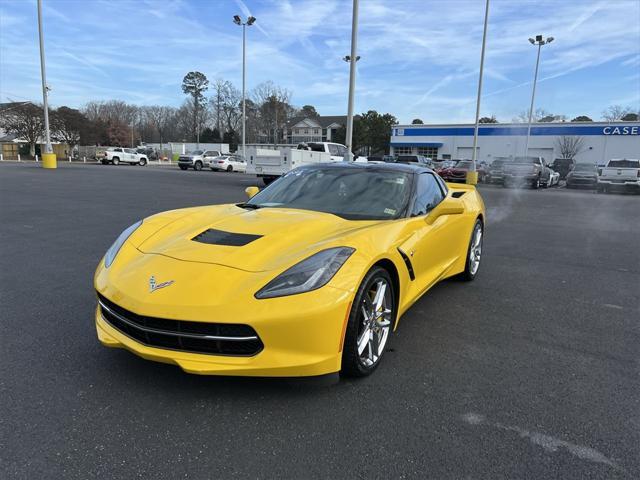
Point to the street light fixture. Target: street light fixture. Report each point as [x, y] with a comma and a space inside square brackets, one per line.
[539, 41]
[238, 21]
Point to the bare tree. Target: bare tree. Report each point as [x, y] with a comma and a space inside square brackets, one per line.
[539, 113]
[67, 125]
[222, 90]
[162, 118]
[615, 113]
[275, 110]
[25, 120]
[569, 146]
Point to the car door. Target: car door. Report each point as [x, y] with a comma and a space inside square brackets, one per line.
[434, 245]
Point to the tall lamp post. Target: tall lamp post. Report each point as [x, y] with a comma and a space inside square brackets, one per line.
[48, 157]
[539, 41]
[472, 175]
[238, 21]
[352, 59]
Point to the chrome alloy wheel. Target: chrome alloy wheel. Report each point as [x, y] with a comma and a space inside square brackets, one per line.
[475, 251]
[375, 322]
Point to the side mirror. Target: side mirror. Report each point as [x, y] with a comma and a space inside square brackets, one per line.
[448, 206]
[251, 191]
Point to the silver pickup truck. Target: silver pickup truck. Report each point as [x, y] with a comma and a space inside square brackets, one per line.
[620, 173]
[526, 171]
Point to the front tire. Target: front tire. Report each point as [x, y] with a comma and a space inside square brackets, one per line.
[197, 166]
[142, 162]
[182, 167]
[370, 322]
[116, 161]
[474, 253]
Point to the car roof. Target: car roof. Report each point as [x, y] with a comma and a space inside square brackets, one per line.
[393, 167]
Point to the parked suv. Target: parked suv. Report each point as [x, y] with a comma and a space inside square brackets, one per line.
[563, 166]
[583, 175]
[197, 159]
[118, 155]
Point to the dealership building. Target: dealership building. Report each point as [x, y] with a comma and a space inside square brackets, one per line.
[599, 141]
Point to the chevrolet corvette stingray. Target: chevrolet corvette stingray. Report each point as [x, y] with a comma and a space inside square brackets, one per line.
[310, 276]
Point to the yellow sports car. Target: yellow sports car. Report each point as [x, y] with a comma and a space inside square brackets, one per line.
[308, 277]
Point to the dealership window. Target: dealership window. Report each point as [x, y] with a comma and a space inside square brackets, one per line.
[431, 152]
[402, 150]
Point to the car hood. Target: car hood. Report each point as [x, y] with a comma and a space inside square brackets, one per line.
[249, 240]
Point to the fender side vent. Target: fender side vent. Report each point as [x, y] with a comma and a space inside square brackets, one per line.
[458, 194]
[219, 237]
[407, 262]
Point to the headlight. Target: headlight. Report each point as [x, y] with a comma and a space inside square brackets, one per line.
[115, 248]
[310, 274]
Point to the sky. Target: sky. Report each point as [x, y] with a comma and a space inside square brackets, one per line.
[419, 58]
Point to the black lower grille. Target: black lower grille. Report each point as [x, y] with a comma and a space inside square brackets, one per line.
[198, 337]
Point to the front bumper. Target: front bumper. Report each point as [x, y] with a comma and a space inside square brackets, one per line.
[301, 334]
[581, 182]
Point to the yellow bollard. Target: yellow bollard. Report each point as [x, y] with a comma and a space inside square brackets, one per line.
[49, 160]
[472, 178]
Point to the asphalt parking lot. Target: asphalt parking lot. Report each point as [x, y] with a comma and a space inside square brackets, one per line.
[531, 371]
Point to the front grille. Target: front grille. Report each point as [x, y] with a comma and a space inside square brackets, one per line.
[198, 337]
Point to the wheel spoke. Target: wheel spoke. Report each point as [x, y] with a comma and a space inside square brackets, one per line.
[379, 298]
[363, 341]
[375, 342]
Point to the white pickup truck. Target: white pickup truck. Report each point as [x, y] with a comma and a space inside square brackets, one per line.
[271, 164]
[620, 173]
[118, 155]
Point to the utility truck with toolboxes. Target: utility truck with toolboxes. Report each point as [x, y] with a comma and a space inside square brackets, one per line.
[269, 164]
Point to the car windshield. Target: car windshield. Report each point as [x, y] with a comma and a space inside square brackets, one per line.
[624, 164]
[351, 193]
[584, 168]
[195, 152]
[408, 159]
[526, 160]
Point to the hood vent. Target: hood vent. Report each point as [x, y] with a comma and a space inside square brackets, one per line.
[218, 237]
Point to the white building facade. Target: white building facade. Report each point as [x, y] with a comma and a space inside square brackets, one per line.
[599, 141]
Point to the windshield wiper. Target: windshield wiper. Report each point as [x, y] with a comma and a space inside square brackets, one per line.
[248, 206]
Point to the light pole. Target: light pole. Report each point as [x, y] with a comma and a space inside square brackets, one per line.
[238, 21]
[352, 59]
[539, 41]
[472, 176]
[48, 157]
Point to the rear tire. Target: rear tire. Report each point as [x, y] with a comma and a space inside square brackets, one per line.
[474, 253]
[230, 168]
[104, 162]
[370, 323]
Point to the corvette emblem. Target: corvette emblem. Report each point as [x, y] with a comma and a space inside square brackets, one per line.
[153, 286]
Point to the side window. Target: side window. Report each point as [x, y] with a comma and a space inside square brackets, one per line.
[117, 150]
[342, 150]
[333, 149]
[443, 186]
[428, 194]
